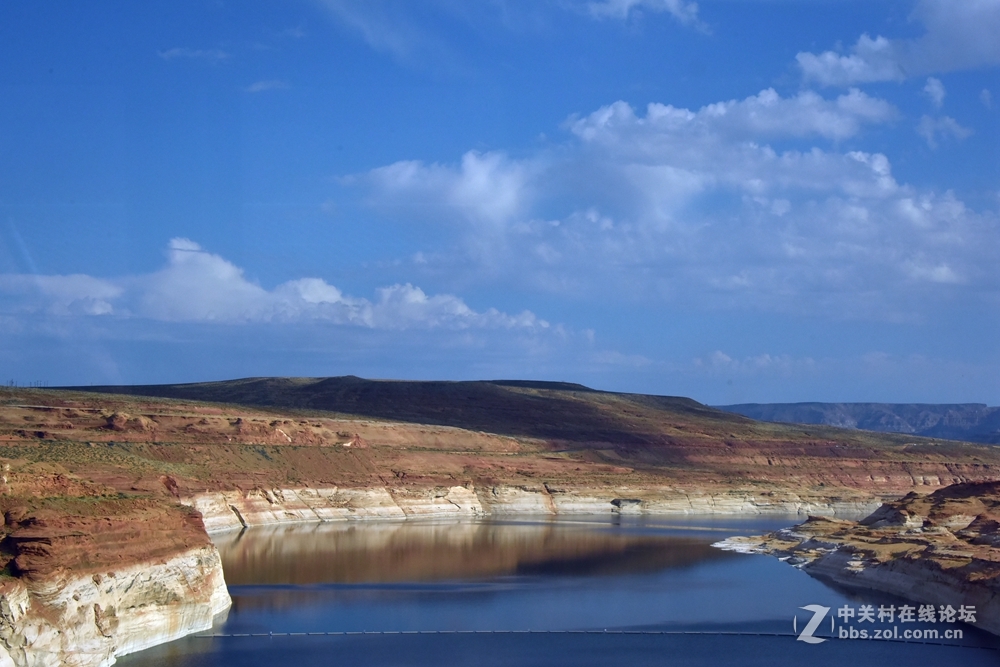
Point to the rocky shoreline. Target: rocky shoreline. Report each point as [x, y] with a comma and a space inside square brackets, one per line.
[234, 510]
[942, 549]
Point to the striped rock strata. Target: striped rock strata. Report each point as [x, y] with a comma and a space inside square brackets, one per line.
[88, 620]
[230, 510]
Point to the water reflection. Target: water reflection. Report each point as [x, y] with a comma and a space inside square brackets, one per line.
[565, 575]
[422, 552]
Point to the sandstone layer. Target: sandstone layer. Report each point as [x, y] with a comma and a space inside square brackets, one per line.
[942, 549]
[664, 452]
[234, 510]
[86, 621]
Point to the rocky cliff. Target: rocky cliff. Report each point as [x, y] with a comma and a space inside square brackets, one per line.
[86, 582]
[942, 549]
[86, 621]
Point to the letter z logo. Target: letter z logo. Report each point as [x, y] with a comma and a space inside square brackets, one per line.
[819, 612]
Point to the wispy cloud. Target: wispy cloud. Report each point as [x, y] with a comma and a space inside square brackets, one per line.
[935, 92]
[295, 32]
[718, 362]
[943, 127]
[59, 295]
[264, 86]
[382, 28]
[685, 12]
[211, 55]
[395, 28]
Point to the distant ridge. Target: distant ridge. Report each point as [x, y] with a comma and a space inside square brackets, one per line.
[545, 436]
[972, 422]
[558, 410]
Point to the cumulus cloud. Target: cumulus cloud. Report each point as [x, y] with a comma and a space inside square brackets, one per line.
[870, 60]
[745, 203]
[762, 116]
[199, 286]
[485, 188]
[944, 127]
[958, 36]
[492, 190]
[406, 306]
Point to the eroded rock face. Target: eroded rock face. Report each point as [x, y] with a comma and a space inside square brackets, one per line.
[942, 548]
[89, 584]
[234, 510]
[85, 621]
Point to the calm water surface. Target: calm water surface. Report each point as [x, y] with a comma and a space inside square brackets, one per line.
[583, 574]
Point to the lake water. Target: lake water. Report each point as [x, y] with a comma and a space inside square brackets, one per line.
[590, 591]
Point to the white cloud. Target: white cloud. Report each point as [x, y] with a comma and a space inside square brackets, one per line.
[493, 191]
[944, 127]
[701, 206]
[198, 286]
[685, 12]
[263, 86]
[870, 60]
[986, 98]
[762, 116]
[211, 55]
[663, 161]
[934, 90]
[958, 36]
[406, 306]
[486, 188]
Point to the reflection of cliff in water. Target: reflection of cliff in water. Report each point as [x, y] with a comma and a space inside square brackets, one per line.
[422, 552]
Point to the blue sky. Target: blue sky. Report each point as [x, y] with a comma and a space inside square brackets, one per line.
[734, 200]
